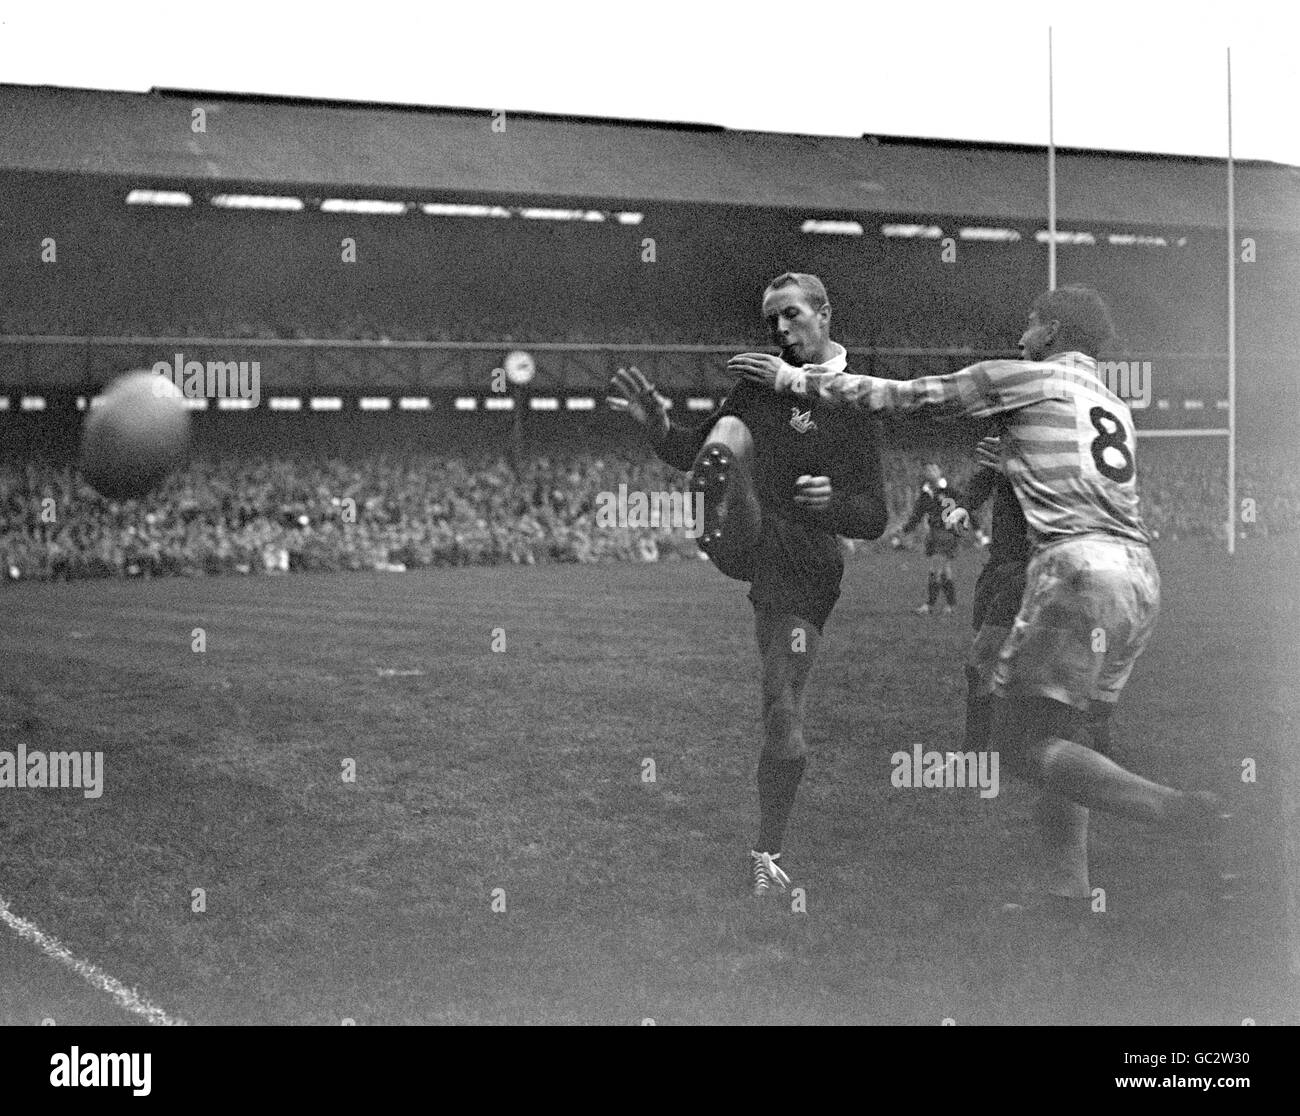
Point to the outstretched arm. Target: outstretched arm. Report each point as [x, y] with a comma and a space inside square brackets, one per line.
[992, 387]
[632, 394]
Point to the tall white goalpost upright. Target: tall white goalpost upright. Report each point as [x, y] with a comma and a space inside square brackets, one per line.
[1231, 430]
[1232, 333]
[1051, 169]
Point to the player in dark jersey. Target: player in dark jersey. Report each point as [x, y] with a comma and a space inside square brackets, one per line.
[936, 496]
[779, 484]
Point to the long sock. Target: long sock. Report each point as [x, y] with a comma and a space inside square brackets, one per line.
[1089, 779]
[778, 780]
[932, 590]
[949, 592]
[1063, 827]
[979, 712]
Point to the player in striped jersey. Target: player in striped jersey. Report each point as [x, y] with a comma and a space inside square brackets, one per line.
[1062, 825]
[1093, 591]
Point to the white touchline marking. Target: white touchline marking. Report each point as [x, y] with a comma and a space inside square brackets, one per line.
[127, 998]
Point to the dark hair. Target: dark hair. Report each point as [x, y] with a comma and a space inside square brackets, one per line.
[812, 288]
[1086, 324]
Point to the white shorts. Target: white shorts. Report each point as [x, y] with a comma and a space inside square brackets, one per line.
[1089, 610]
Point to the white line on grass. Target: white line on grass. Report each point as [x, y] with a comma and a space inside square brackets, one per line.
[127, 998]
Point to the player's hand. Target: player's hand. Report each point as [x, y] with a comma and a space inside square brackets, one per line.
[813, 493]
[989, 453]
[632, 394]
[758, 368]
[956, 519]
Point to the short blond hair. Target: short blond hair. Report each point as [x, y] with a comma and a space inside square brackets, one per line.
[812, 288]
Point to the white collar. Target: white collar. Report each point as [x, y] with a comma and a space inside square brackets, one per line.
[838, 362]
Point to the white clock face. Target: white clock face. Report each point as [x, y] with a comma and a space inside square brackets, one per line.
[519, 367]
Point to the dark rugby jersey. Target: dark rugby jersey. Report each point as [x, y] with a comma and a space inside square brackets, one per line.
[794, 438]
[1010, 541]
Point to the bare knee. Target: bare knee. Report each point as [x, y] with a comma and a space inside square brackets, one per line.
[733, 433]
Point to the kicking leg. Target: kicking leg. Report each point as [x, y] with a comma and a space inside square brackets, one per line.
[723, 475]
[1078, 773]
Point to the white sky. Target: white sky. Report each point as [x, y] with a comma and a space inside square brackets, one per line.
[1129, 75]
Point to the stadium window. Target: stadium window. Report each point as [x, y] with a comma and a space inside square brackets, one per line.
[257, 201]
[991, 235]
[927, 232]
[451, 209]
[840, 228]
[371, 206]
[1043, 236]
[544, 214]
[1140, 240]
[159, 197]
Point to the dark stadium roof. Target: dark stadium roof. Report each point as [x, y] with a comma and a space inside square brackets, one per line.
[453, 154]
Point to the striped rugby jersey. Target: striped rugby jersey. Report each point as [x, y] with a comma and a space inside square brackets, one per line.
[1068, 445]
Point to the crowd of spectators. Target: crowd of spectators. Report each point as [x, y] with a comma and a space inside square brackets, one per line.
[405, 510]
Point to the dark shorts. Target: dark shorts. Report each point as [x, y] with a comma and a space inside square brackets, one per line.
[998, 592]
[940, 542]
[796, 570]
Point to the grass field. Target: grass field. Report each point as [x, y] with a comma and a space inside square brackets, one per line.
[522, 770]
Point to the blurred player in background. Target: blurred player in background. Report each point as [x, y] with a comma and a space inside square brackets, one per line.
[1092, 590]
[779, 483]
[941, 542]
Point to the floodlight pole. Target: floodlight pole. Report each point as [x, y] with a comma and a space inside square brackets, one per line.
[1232, 334]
